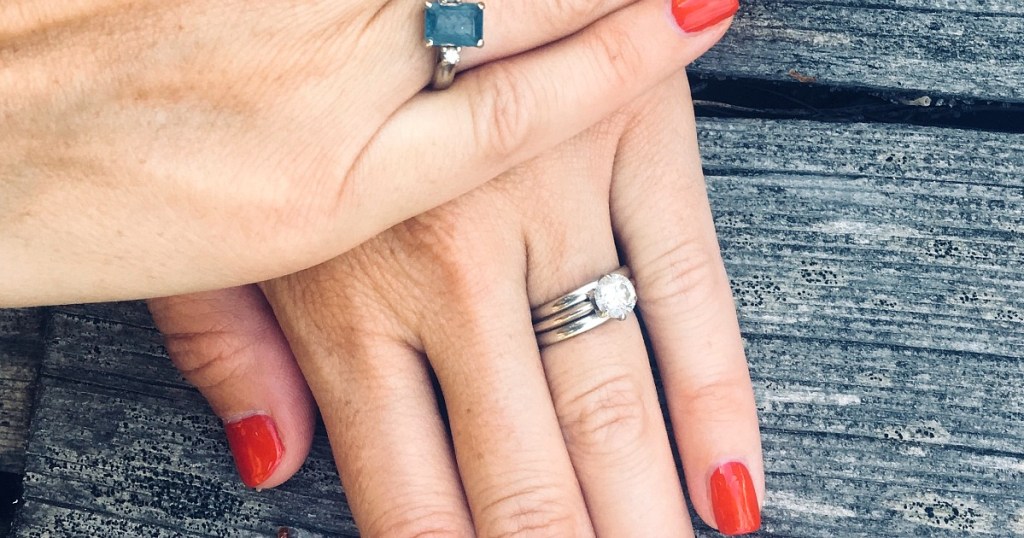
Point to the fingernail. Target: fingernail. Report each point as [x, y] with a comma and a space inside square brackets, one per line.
[734, 499]
[696, 15]
[256, 447]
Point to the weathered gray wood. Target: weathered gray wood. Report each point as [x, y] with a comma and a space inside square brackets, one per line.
[120, 441]
[960, 48]
[21, 350]
[880, 277]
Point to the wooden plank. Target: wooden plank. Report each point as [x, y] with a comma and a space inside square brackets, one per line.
[21, 349]
[967, 49]
[880, 277]
[123, 442]
[879, 274]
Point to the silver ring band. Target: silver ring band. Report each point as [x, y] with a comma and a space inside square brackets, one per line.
[566, 332]
[564, 317]
[573, 298]
[610, 297]
[444, 72]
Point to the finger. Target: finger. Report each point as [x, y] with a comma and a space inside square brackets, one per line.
[601, 381]
[508, 111]
[515, 470]
[378, 404]
[661, 212]
[228, 344]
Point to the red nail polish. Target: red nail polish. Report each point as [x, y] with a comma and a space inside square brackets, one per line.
[734, 499]
[256, 446]
[696, 15]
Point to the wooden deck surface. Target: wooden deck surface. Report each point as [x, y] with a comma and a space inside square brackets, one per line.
[878, 270]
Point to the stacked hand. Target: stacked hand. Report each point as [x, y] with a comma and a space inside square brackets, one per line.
[153, 148]
[568, 440]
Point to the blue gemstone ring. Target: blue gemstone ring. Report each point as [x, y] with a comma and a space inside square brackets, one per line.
[448, 26]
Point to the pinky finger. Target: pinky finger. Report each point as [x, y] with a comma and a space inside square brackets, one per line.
[664, 221]
[229, 345]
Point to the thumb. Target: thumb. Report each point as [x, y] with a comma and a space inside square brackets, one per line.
[229, 345]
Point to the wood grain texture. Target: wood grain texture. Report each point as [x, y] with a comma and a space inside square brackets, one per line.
[121, 445]
[880, 281]
[880, 277]
[956, 48]
[21, 349]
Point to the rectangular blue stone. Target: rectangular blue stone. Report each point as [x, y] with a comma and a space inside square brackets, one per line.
[454, 25]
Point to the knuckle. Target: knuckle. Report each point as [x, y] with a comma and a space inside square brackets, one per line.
[449, 253]
[607, 418]
[572, 10]
[456, 277]
[502, 111]
[683, 277]
[452, 253]
[530, 511]
[467, 286]
[421, 521]
[440, 236]
[717, 396]
[209, 359]
[337, 301]
[619, 55]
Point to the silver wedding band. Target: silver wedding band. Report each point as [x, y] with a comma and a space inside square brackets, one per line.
[595, 303]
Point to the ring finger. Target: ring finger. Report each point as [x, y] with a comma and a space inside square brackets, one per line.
[600, 381]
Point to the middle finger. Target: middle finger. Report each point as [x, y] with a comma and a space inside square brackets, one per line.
[515, 471]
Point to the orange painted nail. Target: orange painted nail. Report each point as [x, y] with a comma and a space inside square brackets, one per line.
[256, 447]
[734, 499]
[696, 15]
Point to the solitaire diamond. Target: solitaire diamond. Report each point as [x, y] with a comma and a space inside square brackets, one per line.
[614, 296]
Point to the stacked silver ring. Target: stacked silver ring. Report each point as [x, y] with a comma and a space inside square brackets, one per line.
[610, 297]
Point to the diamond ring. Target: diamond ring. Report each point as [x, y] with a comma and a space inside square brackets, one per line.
[610, 297]
[448, 26]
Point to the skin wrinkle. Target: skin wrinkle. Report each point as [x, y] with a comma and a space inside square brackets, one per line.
[76, 54]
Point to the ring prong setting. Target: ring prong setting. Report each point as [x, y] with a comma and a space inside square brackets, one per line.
[614, 296]
[453, 23]
[593, 304]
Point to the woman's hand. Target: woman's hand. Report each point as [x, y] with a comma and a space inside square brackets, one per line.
[568, 440]
[150, 148]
